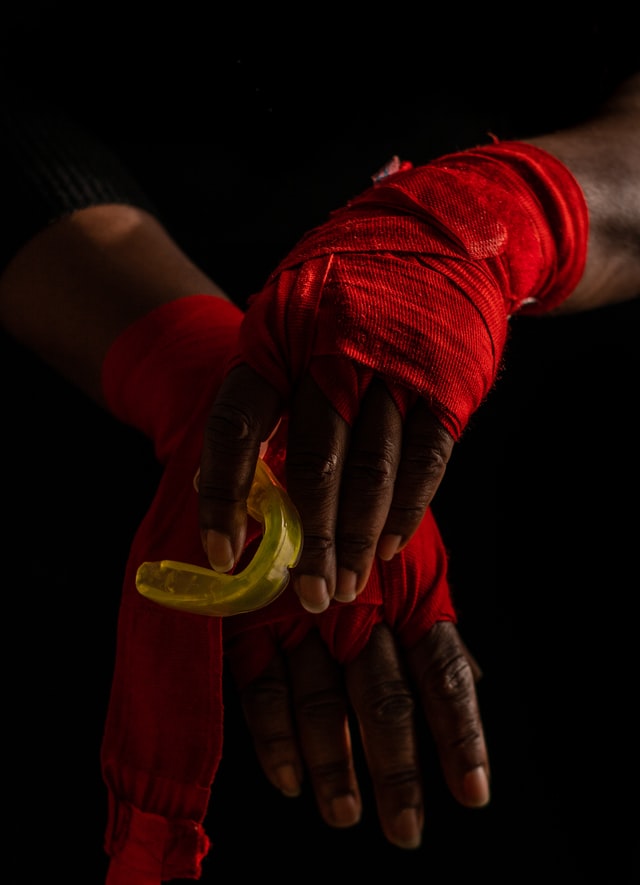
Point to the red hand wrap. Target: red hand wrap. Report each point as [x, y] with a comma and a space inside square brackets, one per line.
[414, 280]
[410, 593]
[163, 735]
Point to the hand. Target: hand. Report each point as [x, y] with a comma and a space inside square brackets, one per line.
[375, 479]
[297, 713]
[390, 656]
[380, 335]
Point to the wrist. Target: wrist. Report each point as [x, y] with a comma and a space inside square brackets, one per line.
[159, 370]
[513, 207]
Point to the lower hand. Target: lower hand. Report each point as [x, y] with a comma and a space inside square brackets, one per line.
[297, 711]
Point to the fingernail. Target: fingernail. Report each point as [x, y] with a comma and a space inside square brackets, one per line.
[388, 546]
[313, 593]
[407, 831]
[346, 585]
[475, 785]
[219, 551]
[345, 811]
[287, 780]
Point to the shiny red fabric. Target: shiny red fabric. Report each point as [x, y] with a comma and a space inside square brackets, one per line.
[415, 279]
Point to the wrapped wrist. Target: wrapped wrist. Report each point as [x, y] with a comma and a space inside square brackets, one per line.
[161, 368]
[414, 280]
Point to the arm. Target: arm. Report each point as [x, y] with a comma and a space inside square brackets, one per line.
[86, 252]
[604, 156]
[104, 295]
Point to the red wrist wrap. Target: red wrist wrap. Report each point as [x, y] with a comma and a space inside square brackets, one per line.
[414, 280]
[163, 735]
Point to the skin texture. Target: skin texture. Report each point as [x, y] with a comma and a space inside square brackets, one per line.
[387, 692]
[124, 264]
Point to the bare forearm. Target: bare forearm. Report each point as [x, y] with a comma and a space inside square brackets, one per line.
[604, 156]
[79, 283]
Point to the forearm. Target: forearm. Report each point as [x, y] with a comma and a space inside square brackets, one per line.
[82, 253]
[604, 156]
[74, 287]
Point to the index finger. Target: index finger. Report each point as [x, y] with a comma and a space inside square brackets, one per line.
[244, 414]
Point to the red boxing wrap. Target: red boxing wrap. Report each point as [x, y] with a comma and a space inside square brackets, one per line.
[163, 736]
[414, 280]
[410, 593]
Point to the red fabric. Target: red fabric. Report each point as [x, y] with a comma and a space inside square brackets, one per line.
[410, 593]
[415, 280]
[163, 736]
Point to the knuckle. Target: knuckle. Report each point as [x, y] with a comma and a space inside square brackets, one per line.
[389, 704]
[265, 697]
[317, 545]
[228, 426]
[451, 679]
[425, 460]
[372, 471]
[312, 469]
[353, 547]
[317, 707]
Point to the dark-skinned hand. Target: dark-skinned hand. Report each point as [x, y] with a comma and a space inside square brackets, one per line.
[360, 490]
[298, 708]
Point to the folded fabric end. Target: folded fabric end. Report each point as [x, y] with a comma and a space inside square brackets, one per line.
[148, 849]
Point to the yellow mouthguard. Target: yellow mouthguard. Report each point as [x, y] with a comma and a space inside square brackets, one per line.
[202, 591]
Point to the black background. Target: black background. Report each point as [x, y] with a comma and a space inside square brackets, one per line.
[246, 127]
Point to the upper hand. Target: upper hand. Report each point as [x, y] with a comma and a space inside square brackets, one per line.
[360, 490]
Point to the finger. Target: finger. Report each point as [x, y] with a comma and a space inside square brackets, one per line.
[426, 451]
[383, 701]
[244, 414]
[320, 704]
[445, 678]
[316, 449]
[266, 703]
[367, 488]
